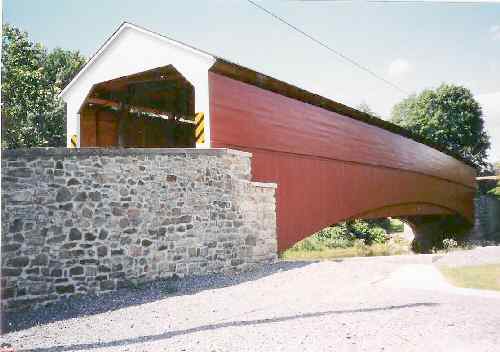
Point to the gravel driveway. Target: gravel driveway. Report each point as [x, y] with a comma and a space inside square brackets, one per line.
[347, 305]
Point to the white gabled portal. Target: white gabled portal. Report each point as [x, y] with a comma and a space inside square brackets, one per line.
[132, 49]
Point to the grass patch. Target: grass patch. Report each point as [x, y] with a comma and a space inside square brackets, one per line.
[486, 277]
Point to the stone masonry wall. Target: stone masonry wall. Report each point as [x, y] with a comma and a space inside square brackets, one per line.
[487, 219]
[85, 221]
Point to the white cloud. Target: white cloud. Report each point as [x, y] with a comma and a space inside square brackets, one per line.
[495, 32]
[491, 115]
[399, 67]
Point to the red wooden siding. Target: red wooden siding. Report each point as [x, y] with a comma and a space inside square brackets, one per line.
[330, 167]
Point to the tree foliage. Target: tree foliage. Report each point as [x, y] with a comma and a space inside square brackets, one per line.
[364, 107]
[449, 116]
[32, 114]
[344, 234]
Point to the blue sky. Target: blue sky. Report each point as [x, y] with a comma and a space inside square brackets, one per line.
[414, 45]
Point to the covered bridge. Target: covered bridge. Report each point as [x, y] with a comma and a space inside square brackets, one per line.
[331, 162]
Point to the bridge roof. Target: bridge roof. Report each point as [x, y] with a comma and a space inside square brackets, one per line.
[246, 75]
[243, 74]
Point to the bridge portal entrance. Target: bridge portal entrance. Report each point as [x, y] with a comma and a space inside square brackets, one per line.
[151, 109]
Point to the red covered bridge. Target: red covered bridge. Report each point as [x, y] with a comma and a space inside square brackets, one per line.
[331, 162]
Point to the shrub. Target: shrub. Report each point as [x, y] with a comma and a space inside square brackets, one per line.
[357, 233]
[309, 244]
[378, 235]
[449, 244]
[370, 234]
[495, 191]
[336, 236]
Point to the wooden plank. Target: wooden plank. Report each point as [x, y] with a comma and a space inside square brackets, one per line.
[123, 138]
[88, 127]
[119, 106]
[488, 178]
[270, 84]
[275, 122]
[107, 129]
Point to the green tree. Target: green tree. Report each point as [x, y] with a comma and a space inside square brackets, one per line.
[61, 66]
[364, 107]
[32, 114]
[449, 116]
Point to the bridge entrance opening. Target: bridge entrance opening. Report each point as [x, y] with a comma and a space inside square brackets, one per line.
[151, 109]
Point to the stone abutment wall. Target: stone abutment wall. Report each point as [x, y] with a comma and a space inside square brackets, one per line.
[92, 220]
[487, 219]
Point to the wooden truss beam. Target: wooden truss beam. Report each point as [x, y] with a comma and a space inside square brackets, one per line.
[133, 108]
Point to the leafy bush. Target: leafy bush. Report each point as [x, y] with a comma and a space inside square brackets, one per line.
[378, 235]
[336, 236]
[449, 244]
[370, 234]
[309, 244]
[495, 191]
[343, 235]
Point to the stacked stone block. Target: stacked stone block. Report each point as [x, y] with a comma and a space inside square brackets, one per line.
[92, 220]
[487, 219]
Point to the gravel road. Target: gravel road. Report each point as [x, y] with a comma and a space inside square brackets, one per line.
[358, 304]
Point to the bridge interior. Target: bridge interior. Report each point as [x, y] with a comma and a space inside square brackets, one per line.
[151, 109]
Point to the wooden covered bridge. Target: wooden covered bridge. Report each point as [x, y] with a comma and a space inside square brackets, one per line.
[331, 162]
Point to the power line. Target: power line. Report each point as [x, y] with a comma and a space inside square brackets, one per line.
[338, 53]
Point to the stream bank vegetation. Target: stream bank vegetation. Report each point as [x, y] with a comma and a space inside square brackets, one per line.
[356, 238]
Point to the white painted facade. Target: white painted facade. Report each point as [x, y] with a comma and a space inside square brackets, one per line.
[131, 50]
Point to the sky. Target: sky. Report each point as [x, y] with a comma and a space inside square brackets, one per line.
[413, 45]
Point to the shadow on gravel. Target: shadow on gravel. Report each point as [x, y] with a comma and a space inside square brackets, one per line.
[153, 291]
[210, 327]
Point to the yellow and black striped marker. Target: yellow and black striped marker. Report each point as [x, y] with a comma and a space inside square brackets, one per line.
[74, 141]
[199, 133]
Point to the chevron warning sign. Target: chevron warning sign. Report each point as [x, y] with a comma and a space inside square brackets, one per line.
[199, 120]
[74, 141]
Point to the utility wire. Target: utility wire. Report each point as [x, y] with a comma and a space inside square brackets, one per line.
[338, 53]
